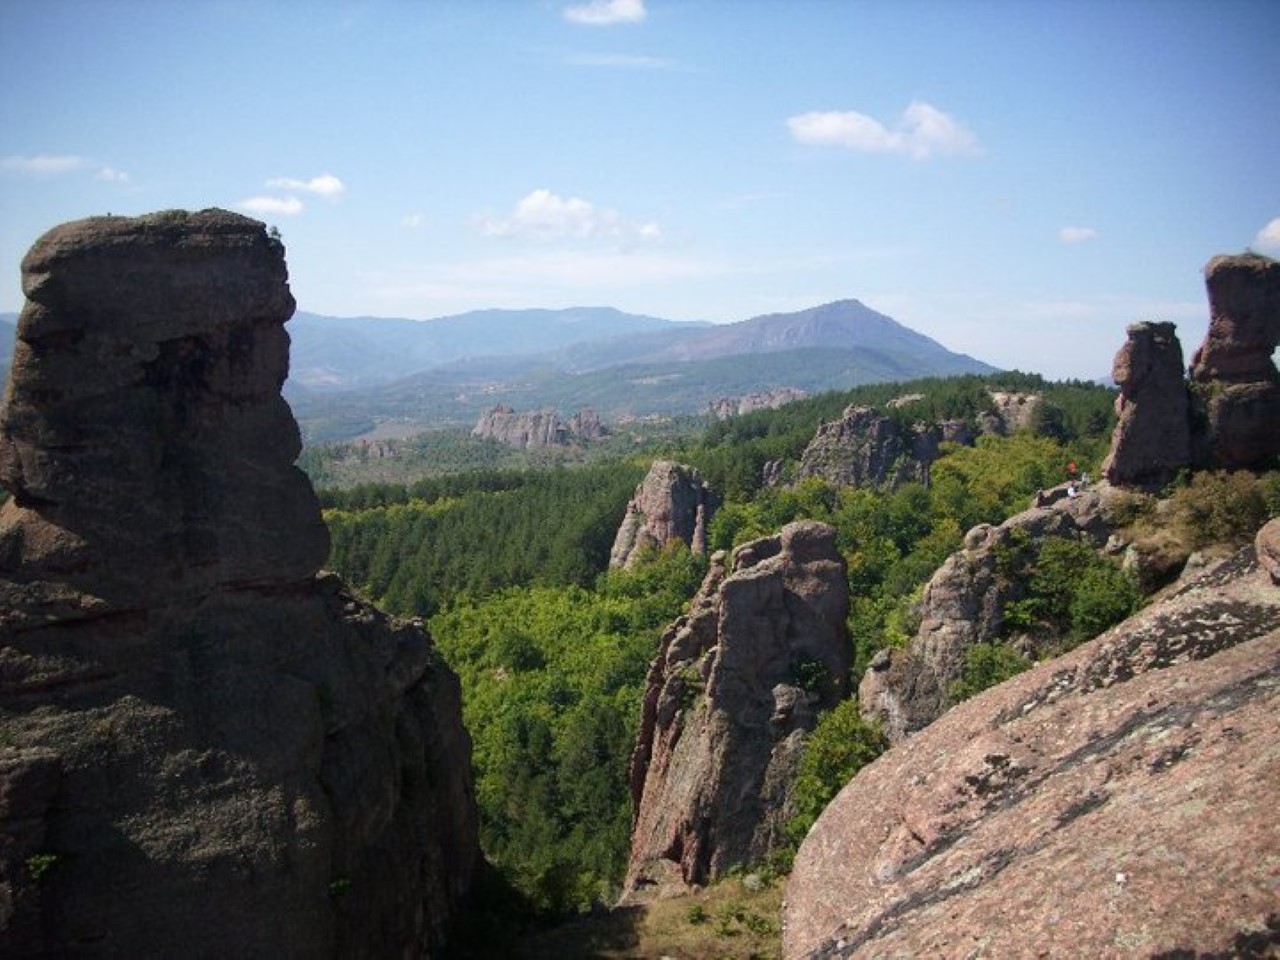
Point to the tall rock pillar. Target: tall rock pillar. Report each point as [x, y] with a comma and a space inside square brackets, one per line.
[206, 748]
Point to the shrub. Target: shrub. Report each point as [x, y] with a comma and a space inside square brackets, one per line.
[985, 665]
[841, 744]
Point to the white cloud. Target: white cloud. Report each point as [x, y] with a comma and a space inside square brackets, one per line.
[111, 175]
[548, 216]
[603, 13]
[42, 165]
[1077, 234]
[921, 132]
[326, 185]
[267, 206]
[1268, 237]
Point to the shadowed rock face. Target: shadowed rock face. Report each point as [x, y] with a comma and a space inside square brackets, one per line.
[737, 685]
[210, 750]
[1117, 801]
[1234, 377]
[1152, 438]
[143, 436]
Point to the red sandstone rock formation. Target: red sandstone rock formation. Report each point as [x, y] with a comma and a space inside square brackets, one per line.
[736, 686]
[207, 749]
[1236, 384]
[671, 503]
[1152, 439]
[537, 429]
[1118, 801]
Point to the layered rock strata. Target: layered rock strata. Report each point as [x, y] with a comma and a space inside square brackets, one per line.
[671, 504]
[963, 604]
[205, 748]
[1117, 801]
[737, 684]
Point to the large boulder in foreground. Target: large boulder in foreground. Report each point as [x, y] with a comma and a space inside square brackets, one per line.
[1117, 801]
[738, 683]
[206, 749]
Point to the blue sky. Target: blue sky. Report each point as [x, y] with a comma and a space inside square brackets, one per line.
[1019, 180]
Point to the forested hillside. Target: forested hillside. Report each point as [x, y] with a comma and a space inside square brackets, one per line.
[552, 651]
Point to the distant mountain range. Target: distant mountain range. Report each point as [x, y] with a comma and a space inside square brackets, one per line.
[350, 375]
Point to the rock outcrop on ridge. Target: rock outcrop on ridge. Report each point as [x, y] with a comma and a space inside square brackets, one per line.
[205, 748]
[866, 448]
[738, 683]
[725, 407]
[671, 503]
[964, 602]
[1117, 801]
[1152, 438]
[1234, 377]
[1226, 416]
[537, 429]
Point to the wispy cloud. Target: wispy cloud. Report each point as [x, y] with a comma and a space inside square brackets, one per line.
[326, 185]
[42, 165]
[921, 132]
[622, 61]
[412, 220]
[548, 216]
[1077, 234]
[603, 13]
[1268, 237]
[272, 206]
[46, 166]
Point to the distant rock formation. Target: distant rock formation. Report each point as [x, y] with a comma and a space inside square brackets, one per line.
[1077, 809]
[1011, 412]
[964, 602]
[866, 448]
[738, 682]
[1152, 438]
[207, 750]
[1234, 377]
[671, 503]
[1227, 416]
[726, 407]
[538, 429]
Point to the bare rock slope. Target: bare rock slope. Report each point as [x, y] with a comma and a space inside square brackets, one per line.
[205, 748]
[737, 684]
[1117, 801]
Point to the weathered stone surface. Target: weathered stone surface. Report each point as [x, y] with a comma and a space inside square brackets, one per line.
[725, 407]
[1244, 320]
[143, 436]
[1267, 545]
[1152, 438]
[1011, 412]
[205, 749]
[538, 429]
[865, 448]
[671, 503]
[738, 682]
[1118, 801]
[1236, 387]
[964, 604]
